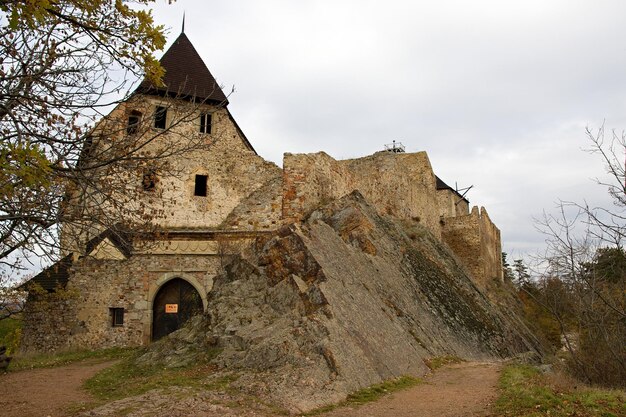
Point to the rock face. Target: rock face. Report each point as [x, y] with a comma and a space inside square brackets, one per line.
[342, 301]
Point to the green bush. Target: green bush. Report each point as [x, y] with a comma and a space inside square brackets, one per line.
[10, 334]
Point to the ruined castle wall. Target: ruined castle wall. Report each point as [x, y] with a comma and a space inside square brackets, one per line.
[261, 210]
[445, 201]
[81, 318]
[401, 185]
[451, 205]
[491, 247]
[475, 240]
[48, 323]
[462, 207]
[310, 180]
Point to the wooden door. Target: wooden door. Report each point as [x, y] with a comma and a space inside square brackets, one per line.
[175, 303]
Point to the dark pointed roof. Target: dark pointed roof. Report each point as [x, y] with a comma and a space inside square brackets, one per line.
[443, 186]
[120, 239]
[55, 275]
[186, 75]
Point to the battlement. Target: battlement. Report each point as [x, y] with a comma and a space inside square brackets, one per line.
[476, 241]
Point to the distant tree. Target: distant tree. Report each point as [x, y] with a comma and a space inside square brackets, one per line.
[520, 272]
[506, 267]
[609, 264]
[62, 65]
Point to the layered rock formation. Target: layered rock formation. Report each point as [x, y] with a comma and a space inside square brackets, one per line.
[341, 301]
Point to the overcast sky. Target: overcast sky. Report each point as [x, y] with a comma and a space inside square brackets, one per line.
[499, 93]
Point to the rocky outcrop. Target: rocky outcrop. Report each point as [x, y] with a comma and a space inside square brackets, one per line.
[343, 300]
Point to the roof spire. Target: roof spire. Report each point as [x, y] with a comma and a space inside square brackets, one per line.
[183, 31]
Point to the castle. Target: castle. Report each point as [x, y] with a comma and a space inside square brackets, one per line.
[127, 290]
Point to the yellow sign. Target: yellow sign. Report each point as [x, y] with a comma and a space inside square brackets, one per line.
[171, 308]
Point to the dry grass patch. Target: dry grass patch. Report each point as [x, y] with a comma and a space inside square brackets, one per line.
[439, 361]
[525, 391]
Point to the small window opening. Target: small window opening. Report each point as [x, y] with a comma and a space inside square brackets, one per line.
[201, 182]
[133, 122]
[117, 316]
[160, 117]
[149, 180]
[205, 123]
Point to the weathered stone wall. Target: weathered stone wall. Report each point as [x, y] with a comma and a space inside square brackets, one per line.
[476, 241]
[261, 210]
[451, 205]
[312, 179]
[234, 172]
[401, 185]
[48, 323]
[245, 193]
[84, 319]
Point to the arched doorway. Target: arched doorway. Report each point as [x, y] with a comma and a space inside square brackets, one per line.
[175, 303]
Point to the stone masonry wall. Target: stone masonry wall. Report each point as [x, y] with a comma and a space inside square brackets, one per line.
[312, 179]
[234, 172]
[451, 205]
[261, 210]
[48, 323]
[476, 241]
[84, 320]
[401, 185]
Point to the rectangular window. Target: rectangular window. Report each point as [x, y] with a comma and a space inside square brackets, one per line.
[160, 117]
[133, 122]
[200, 189]
[205, 123]
[149, 180]
[117, 316]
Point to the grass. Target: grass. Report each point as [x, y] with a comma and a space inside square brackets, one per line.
[439, 361]
[524, 391]
[10, 332]
[127, 378]
[64, 358]
[371, 393]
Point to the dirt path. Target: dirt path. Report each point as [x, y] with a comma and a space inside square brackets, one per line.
[461, 390]
[455, 391]
[45, 392]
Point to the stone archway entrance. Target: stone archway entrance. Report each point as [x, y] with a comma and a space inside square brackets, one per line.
[175, 303]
